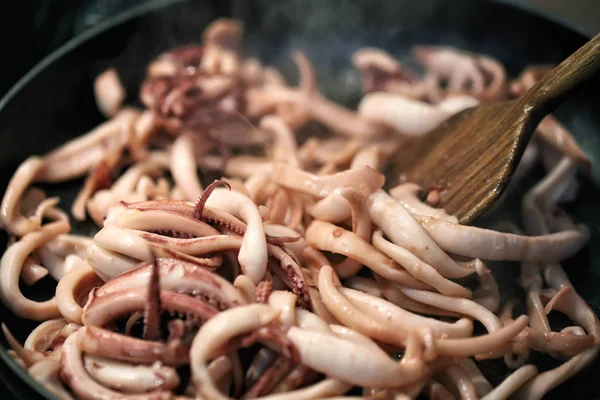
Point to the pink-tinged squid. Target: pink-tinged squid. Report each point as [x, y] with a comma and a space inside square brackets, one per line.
[354, 363]
[101, 310]
[253, 252]
[478, 75]
[410, 117]
[387, 312]
[361, 226]
[456, 377]
[404, 230]
[117, 346]
[216, 333]
[74, 373]
[183, 167]
[10, 214]
[109, 92]
[10, 270]
[131, 378]
[476, 242]
[181, 277]
[417, 268]
[462, 306]
[47, 373]
[78, 156]
[321, 186]
[74, 287]
[329, 237]
[375, 323]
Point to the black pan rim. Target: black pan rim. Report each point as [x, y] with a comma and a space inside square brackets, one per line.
[548, 16]
[136, 12]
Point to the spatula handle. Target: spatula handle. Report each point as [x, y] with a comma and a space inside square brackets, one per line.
[567, 77]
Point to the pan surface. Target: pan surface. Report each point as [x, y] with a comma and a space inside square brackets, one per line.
[54, 102]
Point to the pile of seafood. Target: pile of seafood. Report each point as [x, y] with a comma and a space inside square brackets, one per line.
[295, 274]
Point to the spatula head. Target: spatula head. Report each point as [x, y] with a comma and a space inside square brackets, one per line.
[471, 156]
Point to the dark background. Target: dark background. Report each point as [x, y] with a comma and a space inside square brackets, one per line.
[31, 29]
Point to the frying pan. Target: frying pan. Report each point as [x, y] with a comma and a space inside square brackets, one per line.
[54, 101]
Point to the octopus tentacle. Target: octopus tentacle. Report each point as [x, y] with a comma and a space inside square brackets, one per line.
[285, 303]
[324, 389]
[351, 335]
[100, 310]
[113, 345]
[321, 186]
[388, 312]
[512, 383]
[294, 380]
[70, 289]
[32, 272]
[183, 167]
[47, 372]
[264, 289]
[490, 245]
[391, 291]
[215, 333]
[128, 378]
[200, 203]
[403, 230]
[27, 356]
[465, 347]
[152, 308]
[437, 391]
[487, 293]
[10, 270]
[160, 222]
[73, 372]
[459, 379]
[361, 226]
[463, 306]
[407, 194]
[253, 252]
[43, 337]
[108, 264]
[289, 267]
[178, 276]
[109, 92]
[353, 364]
[210, 215]
[408, 117]
[417, 268]
[363, 317]
[10, 217]
[480, 383]
[146, 245]
[329, 237]
[293, 241]
[309, 321]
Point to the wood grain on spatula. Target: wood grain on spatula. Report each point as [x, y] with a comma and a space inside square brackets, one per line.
[472, 156]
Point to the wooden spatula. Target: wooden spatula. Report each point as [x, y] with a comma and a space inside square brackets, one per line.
[472, 156]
